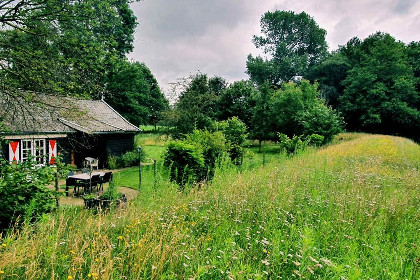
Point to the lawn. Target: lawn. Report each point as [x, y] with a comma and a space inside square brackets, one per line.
[346, 211]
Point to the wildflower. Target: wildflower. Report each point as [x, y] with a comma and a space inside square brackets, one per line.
[153, 267]
[1, 272]
[120, 237]
[265, 262]
[4, 245]
[70, 277]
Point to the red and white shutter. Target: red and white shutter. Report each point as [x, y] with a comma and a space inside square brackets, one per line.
[14, 149]
[52, 151]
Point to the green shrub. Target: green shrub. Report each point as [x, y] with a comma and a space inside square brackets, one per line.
[321, 120]
[23, 192]
[185, 162]
[130, 158]
[194, 159]
[234, 131]
[315, 140]
[111, 193]
[113, 162]
[298, 143]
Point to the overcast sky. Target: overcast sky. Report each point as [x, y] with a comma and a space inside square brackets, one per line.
[176, 38]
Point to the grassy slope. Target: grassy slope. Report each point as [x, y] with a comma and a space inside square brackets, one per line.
[350, 210]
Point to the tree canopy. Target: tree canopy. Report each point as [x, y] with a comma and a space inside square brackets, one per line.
[293, 43]
[379, 90]
[135, 93]
[63, 47]
[197, 105]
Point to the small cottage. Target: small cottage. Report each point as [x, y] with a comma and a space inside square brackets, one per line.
[44, 126]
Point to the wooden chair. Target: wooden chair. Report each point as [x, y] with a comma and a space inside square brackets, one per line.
[94, 181]
[70, 182]
[105, 179]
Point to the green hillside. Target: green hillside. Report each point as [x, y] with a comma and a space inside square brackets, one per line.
[348, 211]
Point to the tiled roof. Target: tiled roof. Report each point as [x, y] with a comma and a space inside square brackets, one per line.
[47, 113]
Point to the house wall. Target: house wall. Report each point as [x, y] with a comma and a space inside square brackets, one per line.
[77, 146]
[99, 146]
[3, 150]
[118, 144]
[4, 145]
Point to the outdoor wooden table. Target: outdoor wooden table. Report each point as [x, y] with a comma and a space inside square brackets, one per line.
[84, 177]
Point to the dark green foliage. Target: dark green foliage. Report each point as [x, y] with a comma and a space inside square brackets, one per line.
[380, 94]
[69, 50]
[185, 161]
[23, 192]
[237, 100]
[293, 42]
[195, 158]
[413, 53]
[197, 105]
[235, 133]
[261, 123]
[134, 92]
[330, 74]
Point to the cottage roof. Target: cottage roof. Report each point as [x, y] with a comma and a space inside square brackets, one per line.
[40, 113]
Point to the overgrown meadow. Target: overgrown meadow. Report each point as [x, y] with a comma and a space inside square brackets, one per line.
[348, 211]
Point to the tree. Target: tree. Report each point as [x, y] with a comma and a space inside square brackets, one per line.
[297, 109]
[65, 50]
[380, 94]
[237, 100]
[261, 122]
[16, 13]
[330, 74]
[292, 42]
[134, 92]
[197, 105]
[413, 53]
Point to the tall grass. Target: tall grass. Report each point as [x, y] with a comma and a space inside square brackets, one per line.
[349, 211]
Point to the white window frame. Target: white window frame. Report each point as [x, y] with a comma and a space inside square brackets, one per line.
[23, 149]
[33, 149]
[39, 159]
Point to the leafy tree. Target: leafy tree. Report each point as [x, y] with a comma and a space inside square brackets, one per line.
[261, 122]
[235, 133]
[197, 105]
[380, 94]
[293, 43]
[330, 74]
[413, 52]
[68, 49]
[297, 109]
[134, 92]
[237, 100]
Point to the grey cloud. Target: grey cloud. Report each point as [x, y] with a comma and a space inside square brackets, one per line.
[404, 6]
[177, 38]
[174, 20]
